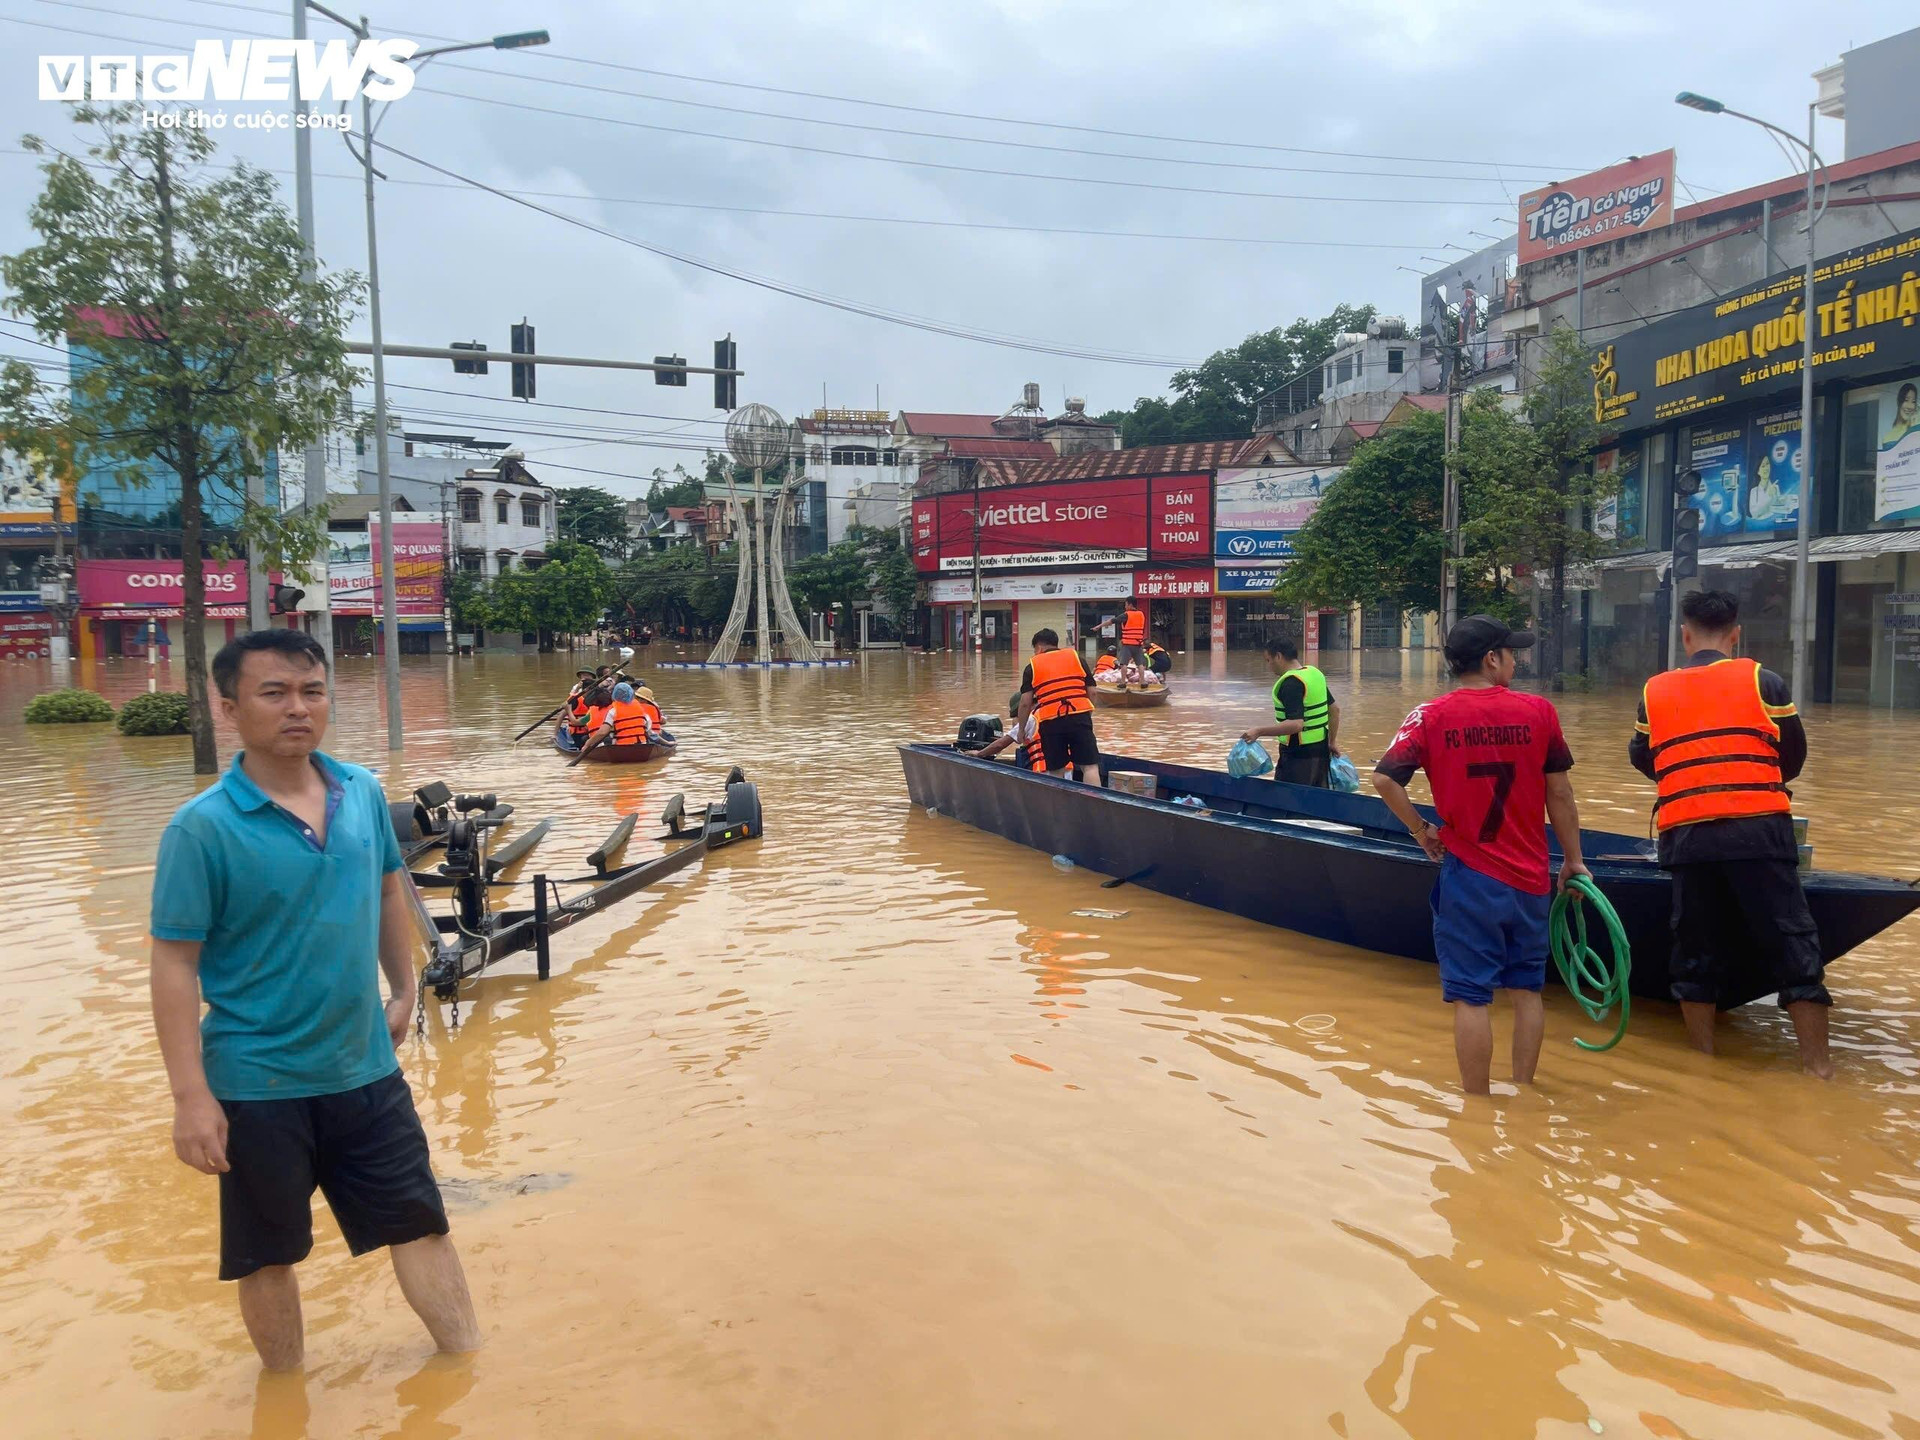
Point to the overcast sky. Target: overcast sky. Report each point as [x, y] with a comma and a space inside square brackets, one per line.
[1443, 111]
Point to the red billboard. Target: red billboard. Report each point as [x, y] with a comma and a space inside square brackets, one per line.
[1082, 523]
[156, 588]
[1630, 198]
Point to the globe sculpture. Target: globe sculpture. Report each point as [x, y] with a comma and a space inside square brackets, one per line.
[758, 440]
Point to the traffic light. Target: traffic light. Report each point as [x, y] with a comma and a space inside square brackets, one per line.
[469, 367]
[523, 374]
[1687, 485]
[670, 377]
[726, 389]
[1686, 542]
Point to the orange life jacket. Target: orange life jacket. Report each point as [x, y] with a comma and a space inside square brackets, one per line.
[577, 710]
[596, 717]
[1029, 752]
[1059, 685]
[1104, 663]
[1133, 629]
[631, 721]
[1715, 744]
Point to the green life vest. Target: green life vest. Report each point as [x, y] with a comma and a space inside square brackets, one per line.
[1314, 714]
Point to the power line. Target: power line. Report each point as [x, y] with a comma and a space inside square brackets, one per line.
[628, 94]
[861, 219]
[551, 55]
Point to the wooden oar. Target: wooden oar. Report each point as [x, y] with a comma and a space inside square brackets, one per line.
[586, 749]
[538, 723]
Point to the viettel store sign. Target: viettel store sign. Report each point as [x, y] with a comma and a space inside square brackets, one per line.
[1866, 321]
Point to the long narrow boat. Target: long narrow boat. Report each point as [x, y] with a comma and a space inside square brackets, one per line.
[1338, 867]
[615, 754]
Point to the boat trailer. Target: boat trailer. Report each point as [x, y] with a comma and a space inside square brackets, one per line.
[475, 935]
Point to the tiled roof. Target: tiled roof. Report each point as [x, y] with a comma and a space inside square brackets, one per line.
[686, 512]
[1000, 449]
[944, 426]
[1364, 429]
[1156, 459]
[1435, 403]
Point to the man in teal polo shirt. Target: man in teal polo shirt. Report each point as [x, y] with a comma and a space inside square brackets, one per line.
[279, 899]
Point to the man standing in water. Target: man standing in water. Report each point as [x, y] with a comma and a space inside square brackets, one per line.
[1496, 760]
[279, 898]
[1722, 739]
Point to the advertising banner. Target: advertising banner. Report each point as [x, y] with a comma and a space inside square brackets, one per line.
[1719, 453]
[1245, 579]
[26, 637]
[1772, 499]
[1179, 517]
[1622, 515]
[30, 496]
[1172, 584]
[419, 552]
[1108, 585]
[1457, 305]
[1896, 471]
[1747, 344]
[1257, 512]
[1094, 522]
[158, 584]
[1630, 198]
[1217, 626]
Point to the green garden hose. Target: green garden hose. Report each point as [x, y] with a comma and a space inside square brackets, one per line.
[1595, 984]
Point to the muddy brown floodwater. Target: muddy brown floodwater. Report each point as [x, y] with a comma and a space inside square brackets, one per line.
[860, 1131]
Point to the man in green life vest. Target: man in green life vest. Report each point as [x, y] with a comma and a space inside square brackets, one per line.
[1304, 717]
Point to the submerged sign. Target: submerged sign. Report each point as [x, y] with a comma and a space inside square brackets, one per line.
[1748, 343]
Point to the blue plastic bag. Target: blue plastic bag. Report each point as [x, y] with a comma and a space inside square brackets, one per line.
[1248, 758]
[1342, 776]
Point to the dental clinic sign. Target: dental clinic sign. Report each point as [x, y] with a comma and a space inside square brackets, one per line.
[237, 72]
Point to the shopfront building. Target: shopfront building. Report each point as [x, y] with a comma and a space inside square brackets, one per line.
[129, 606]
[1714, 391]
[1066, 556]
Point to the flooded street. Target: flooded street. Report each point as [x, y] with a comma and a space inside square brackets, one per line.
[860, 1131]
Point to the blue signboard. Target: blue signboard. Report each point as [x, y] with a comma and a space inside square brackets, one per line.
[22, 527]
[1245, 579]
[1253, 544]
[20, 600]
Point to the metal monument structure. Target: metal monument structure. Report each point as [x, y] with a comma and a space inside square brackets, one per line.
[759, 441]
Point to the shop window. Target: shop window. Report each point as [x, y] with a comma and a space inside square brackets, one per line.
[1379, 628]
[1879, 427]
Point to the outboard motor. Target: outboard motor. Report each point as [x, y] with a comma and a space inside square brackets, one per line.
[977, 732]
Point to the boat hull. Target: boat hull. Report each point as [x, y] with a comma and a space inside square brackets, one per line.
[1368, 889]
[613, 754]
[1111, 699]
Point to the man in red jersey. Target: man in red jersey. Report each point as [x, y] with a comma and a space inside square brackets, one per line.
[1496, 760]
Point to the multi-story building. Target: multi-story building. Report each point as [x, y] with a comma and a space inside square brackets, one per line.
[1359, 382]
[505, 518]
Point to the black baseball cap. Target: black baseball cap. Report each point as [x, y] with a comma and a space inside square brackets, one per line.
[1471, 640]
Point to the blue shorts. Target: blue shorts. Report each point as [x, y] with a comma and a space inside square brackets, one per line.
[1487, 935]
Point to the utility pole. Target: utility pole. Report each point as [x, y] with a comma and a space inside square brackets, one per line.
[389, 610]
[315, 493]
[1450, 503]
[979, 631]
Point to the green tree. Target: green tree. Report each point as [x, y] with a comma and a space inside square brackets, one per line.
[594, 517]
[1527, 484]
[567, 595]
[1376, 537]
[892, 573]
[467, 600]
[675, 487]
[680, 586]
[834, 581]
[1216, 399]
[206, 348]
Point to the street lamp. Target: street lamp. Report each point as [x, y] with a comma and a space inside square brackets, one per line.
[1803, 531]
[390, 618]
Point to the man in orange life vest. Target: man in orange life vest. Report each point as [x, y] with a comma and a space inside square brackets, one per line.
[1133, 636]
[1721, 738]
[1055, 692]
[1022, 739]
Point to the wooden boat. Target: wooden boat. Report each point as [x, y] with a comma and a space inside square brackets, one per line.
[616, 754]
[1139, 697]
[1338, 867]
[475, 935]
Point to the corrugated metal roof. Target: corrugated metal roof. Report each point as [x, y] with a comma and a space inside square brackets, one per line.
[1182, 459]
[999, 449]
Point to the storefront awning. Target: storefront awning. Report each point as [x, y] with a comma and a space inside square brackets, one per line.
[1774, 552]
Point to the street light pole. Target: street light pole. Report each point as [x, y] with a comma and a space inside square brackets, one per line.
[315, 492]
[389, 590]
[1800, 614]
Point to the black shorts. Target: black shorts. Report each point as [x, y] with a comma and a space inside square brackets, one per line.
[1303, 765]
[365, 1151]
[1730, 914]
[1069, 738]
